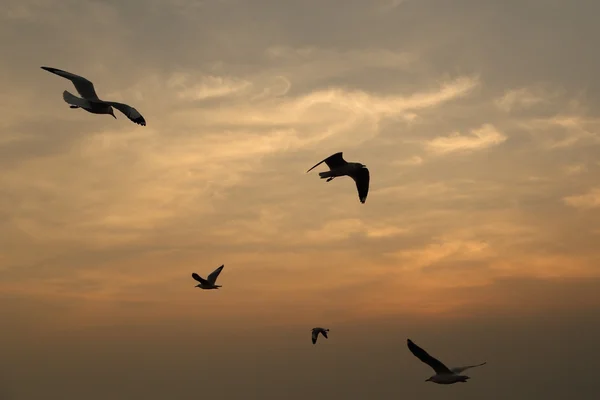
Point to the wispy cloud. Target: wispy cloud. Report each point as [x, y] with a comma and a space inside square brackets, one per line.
[336, 230]
[205, 87]
[564, 130]
[520, 99]
[584, 201]
[414, 160]
[575, 169]
[481, 138]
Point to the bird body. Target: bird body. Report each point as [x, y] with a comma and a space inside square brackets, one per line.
[89, 100]
[315, 333]
[210, 281]
[443, 375]
[343, 170]
[447, 379]
[340, 167]
[89, 106]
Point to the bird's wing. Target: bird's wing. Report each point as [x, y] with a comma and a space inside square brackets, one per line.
[129, 112]
[458, 370]
[198, 277]
[362, 178]
[334, 161]
[422, 355]
[315, 334]
[212, 278]
[84, 87]
[324, 333]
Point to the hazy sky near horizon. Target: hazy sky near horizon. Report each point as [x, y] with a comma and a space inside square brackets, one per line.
[478, 119]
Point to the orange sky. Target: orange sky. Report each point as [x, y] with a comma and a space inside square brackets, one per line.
[477, 120]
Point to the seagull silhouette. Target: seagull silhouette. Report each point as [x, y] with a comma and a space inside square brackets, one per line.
[315, 333]
[443, 375]
[340, 167]
[89, 100]
[210, 281]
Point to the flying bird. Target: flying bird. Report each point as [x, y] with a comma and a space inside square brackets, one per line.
[443, 375]
[315, 333]
[89, 100]
[210, 281]
[340, 167]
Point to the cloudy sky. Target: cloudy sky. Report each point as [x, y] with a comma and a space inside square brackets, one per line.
[478, 119]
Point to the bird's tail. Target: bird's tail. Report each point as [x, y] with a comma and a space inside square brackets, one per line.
[326, 174]
[75, 101]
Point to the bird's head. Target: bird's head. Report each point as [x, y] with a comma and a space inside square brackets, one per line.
[111, 111]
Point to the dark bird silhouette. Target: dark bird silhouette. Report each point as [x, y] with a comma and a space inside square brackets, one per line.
[315, 333]
[340, 167]
[443, 375]
[210, 281]
[89, 100]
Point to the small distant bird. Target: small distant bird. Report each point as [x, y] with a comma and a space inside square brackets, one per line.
[90, 101]
[315, 333]
[443, 375]
[340, 167]
[210, 281]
